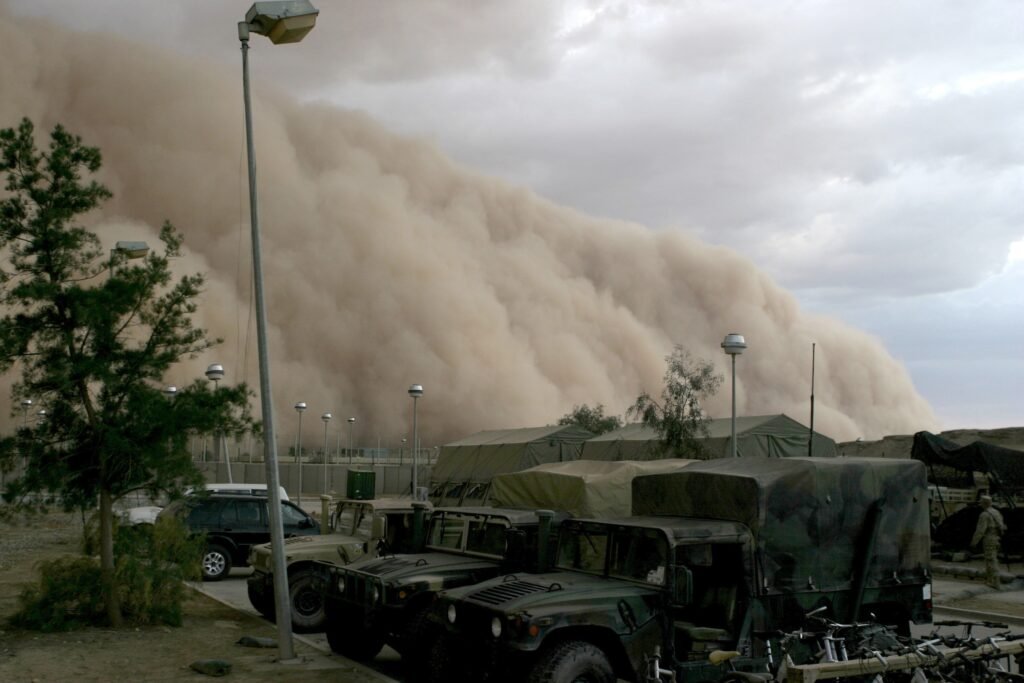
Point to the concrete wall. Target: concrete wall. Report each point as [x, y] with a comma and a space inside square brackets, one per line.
[390, 479]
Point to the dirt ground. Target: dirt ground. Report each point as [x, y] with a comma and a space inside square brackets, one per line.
[157, 653]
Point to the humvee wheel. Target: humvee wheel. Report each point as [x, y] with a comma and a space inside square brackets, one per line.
[353, 642]
[261, 603]
[573, 662]
[305, 593]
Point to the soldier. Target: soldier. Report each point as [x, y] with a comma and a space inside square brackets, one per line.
[988, 532]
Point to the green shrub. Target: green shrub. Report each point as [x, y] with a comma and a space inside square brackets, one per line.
[151, 564]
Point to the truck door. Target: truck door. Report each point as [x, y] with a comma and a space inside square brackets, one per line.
[712, 620]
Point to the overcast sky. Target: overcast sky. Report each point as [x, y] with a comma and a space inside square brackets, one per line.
[867, 155]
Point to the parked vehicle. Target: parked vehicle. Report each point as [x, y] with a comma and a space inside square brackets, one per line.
[720, 556]
[385, 600]
[359, 528]
[146, 514]
[233, 523]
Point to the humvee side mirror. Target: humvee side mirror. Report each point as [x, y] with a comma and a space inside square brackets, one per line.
[515, 543]
[379, 527]
[683, 590]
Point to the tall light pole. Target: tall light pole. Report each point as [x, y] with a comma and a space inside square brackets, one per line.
[810, 435]
[326, 417]
[351, 424]
[215, 373]
[734, 345]
[282, 22]
[25, 405]
[300, 407]
[416, 390]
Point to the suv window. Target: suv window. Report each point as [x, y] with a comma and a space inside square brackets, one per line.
[244, 513]
[292, 516]
[205, 512]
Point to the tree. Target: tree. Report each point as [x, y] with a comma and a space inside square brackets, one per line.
[592, 419]
[93, 336]
[679, 418]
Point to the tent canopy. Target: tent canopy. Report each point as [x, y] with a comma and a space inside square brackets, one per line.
[583, 488]
[774, 436]
[1005, 466]
[464, 468]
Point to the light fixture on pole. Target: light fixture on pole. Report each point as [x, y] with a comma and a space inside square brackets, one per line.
[734, 345]
[326, 417]
[351, 424]
[416, 390]
[282, 22]
[25, 405]
[129, 250]
[215, 373]
[300, 407]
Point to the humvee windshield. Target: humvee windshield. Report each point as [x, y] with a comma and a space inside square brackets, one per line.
[352, 519]
[475, 534]
[631, 553]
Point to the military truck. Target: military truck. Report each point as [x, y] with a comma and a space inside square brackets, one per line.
[716, 557]
[385, 601]
[360, 528]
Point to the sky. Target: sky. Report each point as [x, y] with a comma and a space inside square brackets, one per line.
[864, 156]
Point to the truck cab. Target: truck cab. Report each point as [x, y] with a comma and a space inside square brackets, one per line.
[359, 528]
[385, 600]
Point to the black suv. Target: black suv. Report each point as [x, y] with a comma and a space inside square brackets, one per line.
[233, 523]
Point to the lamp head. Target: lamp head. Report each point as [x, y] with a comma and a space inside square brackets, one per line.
[300, 406]
[285, 21]
[326, 417]
[351, 420]
[171, 390]
[734, 344]
[416, 390]
[131, 249]
[215, 372]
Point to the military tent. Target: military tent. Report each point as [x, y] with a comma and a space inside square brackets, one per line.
[583, 488]
[464, 469]
[775, 436]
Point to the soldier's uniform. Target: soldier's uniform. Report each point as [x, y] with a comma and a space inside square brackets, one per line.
[989, 531]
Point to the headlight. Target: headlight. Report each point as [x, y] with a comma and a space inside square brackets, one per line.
[341, 584]
[496, 627]
[451, 614]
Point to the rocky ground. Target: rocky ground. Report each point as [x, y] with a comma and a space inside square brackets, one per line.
[154, 653]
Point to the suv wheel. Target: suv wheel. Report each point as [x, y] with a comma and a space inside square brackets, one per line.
[305, 590]
[573, 662]
[216, 562]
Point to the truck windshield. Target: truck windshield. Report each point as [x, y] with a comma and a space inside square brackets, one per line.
[483, 535]
[623, 552]
[349, 519]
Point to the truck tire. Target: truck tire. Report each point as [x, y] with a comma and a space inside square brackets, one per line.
[305, 594]
[442, 666]
[575, 661]
[359, 644]
[262, 603]
[216, 562]
[417, 639]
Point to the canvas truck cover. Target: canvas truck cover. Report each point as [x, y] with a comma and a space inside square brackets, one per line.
[808, 515]
[582, 488]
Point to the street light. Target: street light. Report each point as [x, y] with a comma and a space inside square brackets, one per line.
[416, 390]
[282, 22]
[215, 373]
[25, 405]
[734, 345]
[326, 417]
[351, 424]
[300, 407]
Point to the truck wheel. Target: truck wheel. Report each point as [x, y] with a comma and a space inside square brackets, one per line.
[305, 591]
[442, 666]
[355, 643]
[216, 562]
[261, 603]
[573, 662]
[417, 640]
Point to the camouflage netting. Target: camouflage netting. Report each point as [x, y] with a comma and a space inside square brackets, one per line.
[810, 517]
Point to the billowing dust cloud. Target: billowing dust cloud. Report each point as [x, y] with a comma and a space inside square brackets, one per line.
[385, 264]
